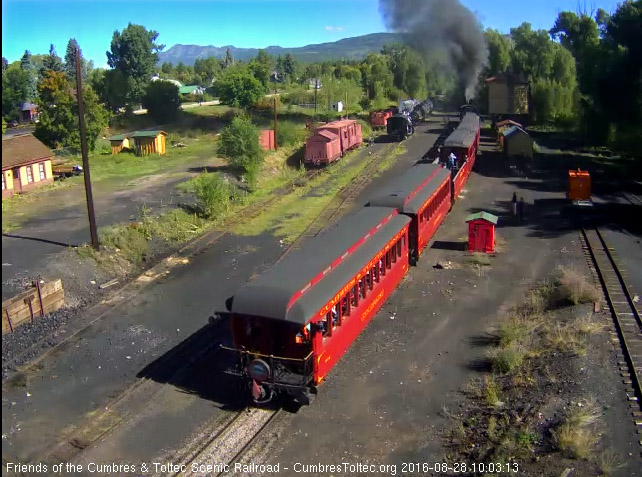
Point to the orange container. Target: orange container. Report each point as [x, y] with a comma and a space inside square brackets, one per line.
[579, 185]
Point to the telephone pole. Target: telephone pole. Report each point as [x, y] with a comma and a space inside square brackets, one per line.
[85, 155]
[276, 145]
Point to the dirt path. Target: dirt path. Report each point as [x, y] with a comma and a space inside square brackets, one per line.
[60, 220]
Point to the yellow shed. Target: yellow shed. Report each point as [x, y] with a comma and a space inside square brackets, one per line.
[119, 142]
[149, 142]
[517, 142]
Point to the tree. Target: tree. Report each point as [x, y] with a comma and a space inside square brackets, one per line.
[161, 101]
[4, 126]
[134, 53]
[5, 64]
[289, 67]
[51, 62]
[260, 71]
[499, 49]
[228, 61]
[70, 62]
[167, 67]
[237, 86]
[16, 88]
[239, 143]
[207, 69]
[58, 125]
[32, 82]
[263, 58]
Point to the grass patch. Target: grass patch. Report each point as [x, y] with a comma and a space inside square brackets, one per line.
[303, 205]
[609, 462]
[573, 287]
[492, 391]
[508, 359]
[481, 259]
[575, 436]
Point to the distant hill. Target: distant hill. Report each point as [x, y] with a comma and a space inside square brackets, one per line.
[349, 48]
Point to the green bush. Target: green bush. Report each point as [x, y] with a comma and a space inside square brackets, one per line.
[212, 194]
[290, 133]
[366, 130]
[239, 143]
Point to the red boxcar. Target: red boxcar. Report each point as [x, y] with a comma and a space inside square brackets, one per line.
[423, 194]
[292, 324]
[464, 143]
[317, 150]
[266, 139]
[323, 147]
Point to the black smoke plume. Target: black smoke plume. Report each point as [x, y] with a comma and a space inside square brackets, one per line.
[441, 26]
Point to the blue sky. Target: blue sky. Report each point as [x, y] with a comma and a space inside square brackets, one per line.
[34, 24]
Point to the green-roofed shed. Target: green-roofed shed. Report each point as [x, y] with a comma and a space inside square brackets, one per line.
[120, 142]
[481, 232]
[149, 142]
[192, 89]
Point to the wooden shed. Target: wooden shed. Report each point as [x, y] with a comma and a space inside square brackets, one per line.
[517, 142]
[26, 164]
[508, 95]
[149, 142]
[120, 142]
[481, 232]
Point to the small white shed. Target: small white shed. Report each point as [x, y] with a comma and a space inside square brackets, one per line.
[338, 106]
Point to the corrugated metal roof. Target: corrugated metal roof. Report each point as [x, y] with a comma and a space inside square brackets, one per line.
[338, 124]
[117, 137]
[327, 134]
[147, 133]
[483, 216]
[408, 192]
[28, 106]
[187, 89]
[514, 129]
[465, 133]
[273, 294]
[23, 149]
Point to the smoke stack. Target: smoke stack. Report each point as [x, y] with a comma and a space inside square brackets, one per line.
[441, 26]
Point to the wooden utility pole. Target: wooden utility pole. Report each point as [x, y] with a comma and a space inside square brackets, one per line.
[85, 155]
[276, 142]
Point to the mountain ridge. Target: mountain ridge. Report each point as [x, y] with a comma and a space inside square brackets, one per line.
[353, 48]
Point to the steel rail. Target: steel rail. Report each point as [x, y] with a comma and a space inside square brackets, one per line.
[621, 332]
[237, 457]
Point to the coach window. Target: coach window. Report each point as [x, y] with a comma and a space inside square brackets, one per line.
[326, 324]
[403, 241]
[382, 266]
[338, 312]
[362, 285]
[354, 296]
[345, 307]
[370, 279]
[399, 247]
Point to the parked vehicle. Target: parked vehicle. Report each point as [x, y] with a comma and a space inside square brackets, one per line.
[63, 171]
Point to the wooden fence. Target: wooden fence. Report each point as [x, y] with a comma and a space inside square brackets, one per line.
[32, 304]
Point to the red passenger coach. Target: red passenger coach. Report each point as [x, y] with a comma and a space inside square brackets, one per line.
[422, 193]
[464, 143]
[292, 324]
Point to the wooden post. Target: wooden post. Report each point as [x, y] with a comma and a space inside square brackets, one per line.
[28, 301]
[42, 308]
[8, 319]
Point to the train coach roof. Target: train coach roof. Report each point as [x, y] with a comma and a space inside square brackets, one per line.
[465, 133]
[274, 293]
[408, 192]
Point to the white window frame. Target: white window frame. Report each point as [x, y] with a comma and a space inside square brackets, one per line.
[42, 171]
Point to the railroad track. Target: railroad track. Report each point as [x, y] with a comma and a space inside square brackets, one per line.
[626, 316]
[338, 204]
[227, 444]
[634, 199]
[189, 354]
